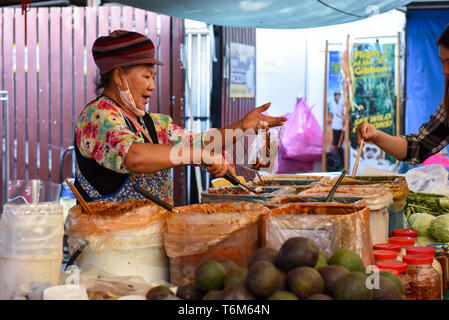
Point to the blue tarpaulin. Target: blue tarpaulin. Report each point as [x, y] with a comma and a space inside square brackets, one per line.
[424, 78]
[277, 14]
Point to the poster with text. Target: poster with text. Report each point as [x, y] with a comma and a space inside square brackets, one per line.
[242, 70]
[372, 99]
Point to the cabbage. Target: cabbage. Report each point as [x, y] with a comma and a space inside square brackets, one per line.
[439, 227]
[421, 223]
[423, 241]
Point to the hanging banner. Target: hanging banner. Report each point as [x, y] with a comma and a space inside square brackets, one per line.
[242, 70]
[335, 112]
[372, 99]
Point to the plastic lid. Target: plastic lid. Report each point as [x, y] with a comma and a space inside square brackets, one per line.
[405, 233]
[387, 246]
[400, 266]
[384, 254]
[393, 271]
[421, 250]
[402, 241]
[417, 259]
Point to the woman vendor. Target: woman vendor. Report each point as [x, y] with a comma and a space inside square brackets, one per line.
[118, 144]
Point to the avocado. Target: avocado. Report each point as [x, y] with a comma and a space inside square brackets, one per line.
[236, 276]
[167, 297]
[263, 279]
[157, 292]
[330, 275]
[236, 292]
[395, 280]
[283, 295]
[297, 252]
[322, 261]
[305, 281]
[210, 275]
[352, 287]
[213, 295]
[387, 290]
[189, 291]
[263, 254]
[348, 259]
[320, 296]
[228, 264]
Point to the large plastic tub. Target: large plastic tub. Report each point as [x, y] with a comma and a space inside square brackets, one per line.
[377, 199]
[330, 225]
[121, 238]
[210, 231]
[397, 186]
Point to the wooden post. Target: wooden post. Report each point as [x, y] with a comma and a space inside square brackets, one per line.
[347, 105]
[323, 153]
[398, 86]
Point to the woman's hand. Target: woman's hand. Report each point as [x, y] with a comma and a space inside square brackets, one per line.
[255, 120]
[216, 164]
[366, 132]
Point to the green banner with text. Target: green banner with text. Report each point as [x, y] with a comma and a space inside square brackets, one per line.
[372, 99]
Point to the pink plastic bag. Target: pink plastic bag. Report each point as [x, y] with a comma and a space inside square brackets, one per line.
[302, 137]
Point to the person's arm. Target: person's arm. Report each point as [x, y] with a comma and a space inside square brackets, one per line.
[148, 157]
[394, 146]
[413, 148]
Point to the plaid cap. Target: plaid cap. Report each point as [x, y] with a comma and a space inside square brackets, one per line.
[123, 48]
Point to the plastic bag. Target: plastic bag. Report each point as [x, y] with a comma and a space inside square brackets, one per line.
[302, 137]
[429, 179]
[331, 226]
[102, 285]
[257, 149]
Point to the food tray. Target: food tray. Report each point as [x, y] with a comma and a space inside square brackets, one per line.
[208, 196]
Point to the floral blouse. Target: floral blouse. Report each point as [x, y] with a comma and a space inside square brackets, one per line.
[101, 133]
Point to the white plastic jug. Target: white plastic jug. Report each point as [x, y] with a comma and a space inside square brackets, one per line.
[31, 245]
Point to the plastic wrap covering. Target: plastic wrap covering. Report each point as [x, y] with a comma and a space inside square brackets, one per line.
[210, 231]
[101, 285]
[378, 199]
[330, 225]
[30, 245]
[122, 238]
[120, 225]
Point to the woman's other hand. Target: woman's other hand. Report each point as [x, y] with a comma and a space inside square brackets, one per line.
[366, 132]
[255, 120]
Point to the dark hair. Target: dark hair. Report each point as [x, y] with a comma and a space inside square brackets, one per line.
[443, 39]
[104, 81]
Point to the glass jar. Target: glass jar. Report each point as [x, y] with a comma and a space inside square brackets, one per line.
[442, 255]
[384, 255]
[412, 233]
[431, 253]
[387, 246]
[421, 280]
[393, 271]
[404, 242]
[399, 266]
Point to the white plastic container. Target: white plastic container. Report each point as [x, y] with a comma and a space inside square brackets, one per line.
[131, 252]
[31, 240]
[377, 200]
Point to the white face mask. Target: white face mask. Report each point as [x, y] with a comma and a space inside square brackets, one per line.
[128, 101]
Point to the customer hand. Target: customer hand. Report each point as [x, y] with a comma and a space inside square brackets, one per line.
[366, 132]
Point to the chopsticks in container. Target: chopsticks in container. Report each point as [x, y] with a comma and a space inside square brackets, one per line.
[80, 199]
[356, 164]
